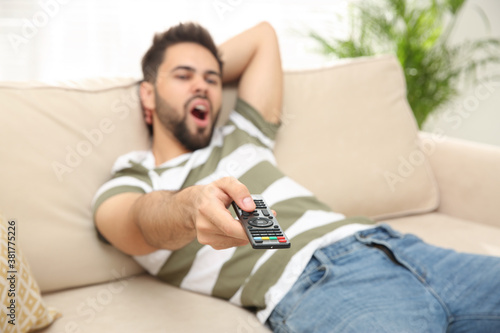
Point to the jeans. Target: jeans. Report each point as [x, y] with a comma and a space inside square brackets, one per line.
[379, 280]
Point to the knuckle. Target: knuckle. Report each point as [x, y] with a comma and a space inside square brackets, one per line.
[208, 190]
[229, 180]
[218, 247]
[203, 240]
[203, 208]
[224, 229]
[201, 229]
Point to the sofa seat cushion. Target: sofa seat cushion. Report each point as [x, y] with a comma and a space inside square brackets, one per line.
[143, 304]
[451, 232]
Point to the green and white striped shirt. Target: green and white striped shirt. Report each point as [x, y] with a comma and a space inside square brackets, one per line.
[255, 279]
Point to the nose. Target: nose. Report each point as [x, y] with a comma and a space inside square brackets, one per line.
[200, 86]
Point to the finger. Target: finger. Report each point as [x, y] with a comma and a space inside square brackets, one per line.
[224, 235]
[216, 219]
[274, 212]
[238, 193]
[221, 242]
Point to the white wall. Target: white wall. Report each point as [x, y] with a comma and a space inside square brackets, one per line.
[70, 39]
[475, 115]
[52, 39]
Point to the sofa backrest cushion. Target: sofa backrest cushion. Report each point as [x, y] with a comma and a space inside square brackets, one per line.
[57, 146]
[350, 136]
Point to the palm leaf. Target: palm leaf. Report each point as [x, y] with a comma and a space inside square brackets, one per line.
[415, 32]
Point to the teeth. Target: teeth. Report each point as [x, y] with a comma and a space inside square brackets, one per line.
[200, 107]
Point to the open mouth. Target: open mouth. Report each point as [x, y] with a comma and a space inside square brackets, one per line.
[200, 112]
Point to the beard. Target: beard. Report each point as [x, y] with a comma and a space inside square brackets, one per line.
[177, 124]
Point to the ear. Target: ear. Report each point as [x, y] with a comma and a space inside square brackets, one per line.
[147, 94]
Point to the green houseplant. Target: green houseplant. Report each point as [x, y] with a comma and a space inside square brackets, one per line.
[418, 33]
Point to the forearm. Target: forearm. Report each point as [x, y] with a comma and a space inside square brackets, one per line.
[238, 52]
[165, 218]
[253, 57]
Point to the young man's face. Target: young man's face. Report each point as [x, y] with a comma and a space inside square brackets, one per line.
[188, 94]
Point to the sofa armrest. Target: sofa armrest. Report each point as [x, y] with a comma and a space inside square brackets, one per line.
[468, 177]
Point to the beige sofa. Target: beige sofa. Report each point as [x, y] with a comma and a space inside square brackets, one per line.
[348, 135]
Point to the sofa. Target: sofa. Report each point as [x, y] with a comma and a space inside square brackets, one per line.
[347, 134]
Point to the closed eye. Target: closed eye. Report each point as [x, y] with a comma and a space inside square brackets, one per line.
[212, 81]
[183, 72]
[212, 78]
[182, 76]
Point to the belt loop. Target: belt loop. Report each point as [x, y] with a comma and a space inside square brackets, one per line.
[390, 231]
[380, 232]
[365, 236]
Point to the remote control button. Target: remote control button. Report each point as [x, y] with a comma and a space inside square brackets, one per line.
[260, 222]
[259, 202]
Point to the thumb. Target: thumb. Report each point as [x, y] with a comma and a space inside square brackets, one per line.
[237, 192]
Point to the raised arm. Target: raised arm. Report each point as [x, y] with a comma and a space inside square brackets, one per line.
[253, 57]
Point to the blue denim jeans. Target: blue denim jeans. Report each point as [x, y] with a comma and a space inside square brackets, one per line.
[379, 280]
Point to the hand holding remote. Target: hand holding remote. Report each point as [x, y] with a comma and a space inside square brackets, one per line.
[211, 220]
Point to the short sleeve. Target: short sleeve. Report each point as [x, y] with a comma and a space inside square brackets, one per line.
[129, 177]
[255, 117]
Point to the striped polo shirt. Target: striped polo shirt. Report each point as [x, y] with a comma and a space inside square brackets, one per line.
[242, 148]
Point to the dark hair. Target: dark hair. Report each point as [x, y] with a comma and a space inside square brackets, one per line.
[183, 32]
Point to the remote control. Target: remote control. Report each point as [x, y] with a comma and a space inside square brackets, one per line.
[262, 228]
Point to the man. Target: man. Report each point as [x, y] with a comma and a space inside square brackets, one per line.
[168, 208]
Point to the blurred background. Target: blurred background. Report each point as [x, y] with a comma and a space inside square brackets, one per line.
[52, 40]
